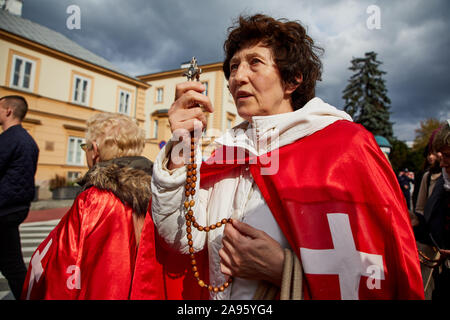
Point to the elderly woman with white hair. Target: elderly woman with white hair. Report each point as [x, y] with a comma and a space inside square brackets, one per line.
[91, 253]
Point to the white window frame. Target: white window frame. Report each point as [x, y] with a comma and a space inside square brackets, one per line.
[159, 95]
[125, 94]
[22, 73]
[206, 84]
[79, 99]
[75, 148]
[155, 129]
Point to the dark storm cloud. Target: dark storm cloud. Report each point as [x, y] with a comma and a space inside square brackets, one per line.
[142, 36]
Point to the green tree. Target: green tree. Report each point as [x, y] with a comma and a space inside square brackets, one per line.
[423, 133]
[366, 96]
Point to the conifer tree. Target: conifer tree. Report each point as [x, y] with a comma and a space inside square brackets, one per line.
[366, 96]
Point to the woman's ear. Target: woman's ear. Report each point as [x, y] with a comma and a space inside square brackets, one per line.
[95, 153]
[291, 87]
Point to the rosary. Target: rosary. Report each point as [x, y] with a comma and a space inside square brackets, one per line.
[193, 72]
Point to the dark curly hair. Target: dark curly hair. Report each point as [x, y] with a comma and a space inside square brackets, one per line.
[293, 50]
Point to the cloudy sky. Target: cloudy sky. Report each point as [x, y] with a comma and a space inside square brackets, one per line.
[147, 36]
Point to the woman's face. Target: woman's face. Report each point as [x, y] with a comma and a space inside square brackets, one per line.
[431, 158]
[256, 85]
[92, 155]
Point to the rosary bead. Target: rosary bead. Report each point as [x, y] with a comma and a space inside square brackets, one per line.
[224, 221]
[194, 178]
[196, 274]
[210, 287]
[194, 172]
[188, 230]
[216, 289]
[188, 223]
[191, 213]
[212, 227]
[200, 228]
[192, 203]
[189, 167]
[193, 262]
[218, 224]
[191, 250]
[222, 288]
[189, 236]
[192, 256]
[188, 180]
[226, 284]
[201, 283]
[190, 243]
[192, 185]
[194, 166]
[194, 269]
[192, 191]
[206, 229]
[192, 160]
[186, 204]
[187, 193]
[189, 173]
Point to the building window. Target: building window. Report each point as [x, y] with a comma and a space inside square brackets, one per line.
[81, 90]
[73, 176]
[230, 120]
[159, 95]
[155, 129]
[205, 83]
[74, 151]
[22, 75]
[124, 102]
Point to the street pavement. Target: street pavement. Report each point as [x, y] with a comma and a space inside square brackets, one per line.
[42, 218]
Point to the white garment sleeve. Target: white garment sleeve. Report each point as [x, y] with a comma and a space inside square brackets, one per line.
[168, 197]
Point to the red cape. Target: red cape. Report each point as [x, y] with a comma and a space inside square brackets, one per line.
[337, 201]
[89, 255]
[92, 254]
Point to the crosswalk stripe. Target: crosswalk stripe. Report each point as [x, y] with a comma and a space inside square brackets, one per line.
[34, 235]
[44, 228]
[40, 223]
[31, 236]
[37, 241]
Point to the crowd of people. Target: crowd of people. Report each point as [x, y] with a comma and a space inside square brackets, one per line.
[296, 202]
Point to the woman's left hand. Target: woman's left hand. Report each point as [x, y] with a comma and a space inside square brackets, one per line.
[251, 254]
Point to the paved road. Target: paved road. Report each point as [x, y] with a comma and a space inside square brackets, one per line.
[31, 235]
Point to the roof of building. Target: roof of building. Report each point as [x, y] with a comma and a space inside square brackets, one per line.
[52, 39]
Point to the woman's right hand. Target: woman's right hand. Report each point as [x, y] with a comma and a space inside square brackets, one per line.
[185, 114]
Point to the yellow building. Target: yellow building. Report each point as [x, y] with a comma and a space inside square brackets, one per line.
[64, 85]
[161, 95]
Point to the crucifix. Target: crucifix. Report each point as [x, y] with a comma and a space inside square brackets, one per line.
[193, 72]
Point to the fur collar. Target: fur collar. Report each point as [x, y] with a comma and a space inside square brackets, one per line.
[128, 178]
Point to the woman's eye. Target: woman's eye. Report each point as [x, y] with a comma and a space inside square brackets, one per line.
[255, 61]
[233, 66]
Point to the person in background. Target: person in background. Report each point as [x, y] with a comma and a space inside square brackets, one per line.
[405, 181]
[18, 161]
[91, 253]
[437, 216]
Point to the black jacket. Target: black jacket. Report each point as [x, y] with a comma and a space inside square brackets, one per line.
[18, 161]
[437, 215]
